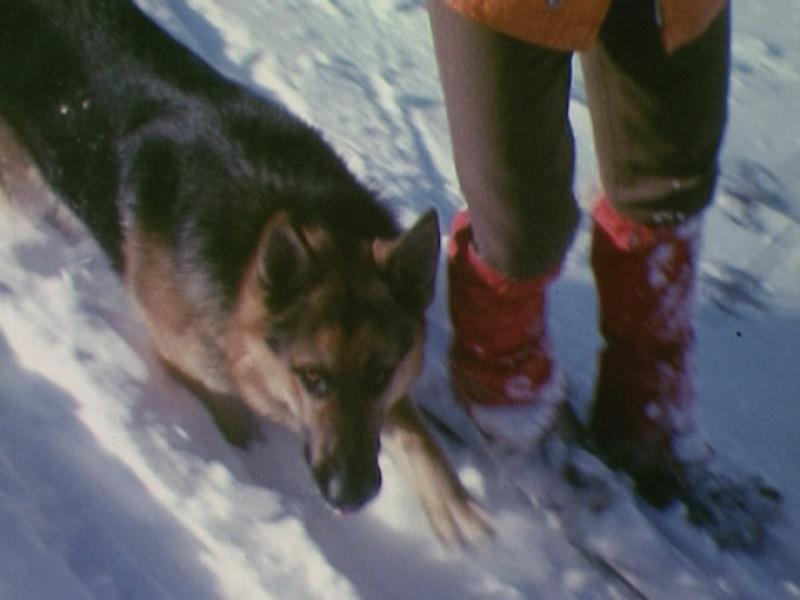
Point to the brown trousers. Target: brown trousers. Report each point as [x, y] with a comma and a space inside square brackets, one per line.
[658, 122]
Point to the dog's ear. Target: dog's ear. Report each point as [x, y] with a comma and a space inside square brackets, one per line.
[286, 263]
[412, 263]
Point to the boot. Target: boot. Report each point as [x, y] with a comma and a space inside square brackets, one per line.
[643, 415]
[643, 419]
[501, 362]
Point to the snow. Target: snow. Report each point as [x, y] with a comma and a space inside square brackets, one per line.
[114, 482]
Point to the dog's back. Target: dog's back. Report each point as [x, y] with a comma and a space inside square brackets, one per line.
[119, 117]
[41, 80]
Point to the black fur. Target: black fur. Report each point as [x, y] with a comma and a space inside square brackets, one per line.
[125, 122]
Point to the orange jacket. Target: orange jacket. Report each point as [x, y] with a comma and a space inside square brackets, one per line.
[573, 24]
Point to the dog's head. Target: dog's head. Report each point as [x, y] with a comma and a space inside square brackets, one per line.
[343, 335]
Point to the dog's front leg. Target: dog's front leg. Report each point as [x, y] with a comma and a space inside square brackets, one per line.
[456, 518]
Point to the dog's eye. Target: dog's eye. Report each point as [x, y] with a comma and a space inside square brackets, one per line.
[315, 381]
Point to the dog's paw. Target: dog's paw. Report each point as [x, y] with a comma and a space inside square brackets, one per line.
[458, 521]
[456, 518]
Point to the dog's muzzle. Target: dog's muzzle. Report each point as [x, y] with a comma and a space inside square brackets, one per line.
[347, 485]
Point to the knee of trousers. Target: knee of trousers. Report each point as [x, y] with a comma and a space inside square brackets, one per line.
[661, 198]
[523, 236]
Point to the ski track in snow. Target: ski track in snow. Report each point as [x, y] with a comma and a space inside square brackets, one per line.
[114, 483]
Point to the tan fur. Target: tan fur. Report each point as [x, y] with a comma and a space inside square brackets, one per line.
[27, 192]
[261, 379]
[186, 339]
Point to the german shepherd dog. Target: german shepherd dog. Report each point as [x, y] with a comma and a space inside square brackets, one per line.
[271, 280]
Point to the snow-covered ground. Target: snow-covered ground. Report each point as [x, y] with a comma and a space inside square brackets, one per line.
[114, 483]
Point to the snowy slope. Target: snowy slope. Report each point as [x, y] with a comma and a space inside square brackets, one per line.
[114, 483]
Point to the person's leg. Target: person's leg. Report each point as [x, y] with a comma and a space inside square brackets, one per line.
[659, 121]
[512, 144]
[507, 108]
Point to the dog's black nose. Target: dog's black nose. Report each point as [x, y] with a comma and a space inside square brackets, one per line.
[348, 487]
